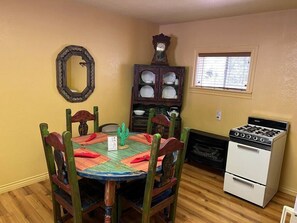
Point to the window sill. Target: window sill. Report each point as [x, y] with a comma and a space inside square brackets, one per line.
[221, 92]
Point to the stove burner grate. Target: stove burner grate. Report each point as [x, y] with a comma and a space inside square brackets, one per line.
[258, 130]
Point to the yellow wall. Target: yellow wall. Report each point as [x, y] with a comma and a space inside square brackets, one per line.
[32, 33]
[275, 84]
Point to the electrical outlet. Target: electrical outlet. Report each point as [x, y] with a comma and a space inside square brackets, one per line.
[219, 115]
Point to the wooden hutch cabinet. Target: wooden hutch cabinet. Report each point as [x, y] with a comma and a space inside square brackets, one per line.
[159, 87]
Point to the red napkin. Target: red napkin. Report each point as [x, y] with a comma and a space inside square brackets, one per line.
[148, 137]
[86, 154]
[92, 136]
[143, 158]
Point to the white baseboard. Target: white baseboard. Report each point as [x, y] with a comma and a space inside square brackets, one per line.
[23, 183]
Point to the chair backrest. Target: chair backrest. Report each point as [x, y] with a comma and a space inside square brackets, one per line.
[159, 123]
[61, 168]
[109, 127]
[170, 174]
[82, 117]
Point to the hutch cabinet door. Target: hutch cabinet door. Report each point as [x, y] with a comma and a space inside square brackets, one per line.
[171, 81]
[145, 83]
[158, 84]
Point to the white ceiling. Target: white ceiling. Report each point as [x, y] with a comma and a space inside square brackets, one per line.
[175, 11]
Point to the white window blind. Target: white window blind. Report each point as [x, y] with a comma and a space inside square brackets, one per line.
[223, 70]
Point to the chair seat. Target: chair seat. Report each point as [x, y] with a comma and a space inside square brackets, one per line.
[134, 192]
[91, 192]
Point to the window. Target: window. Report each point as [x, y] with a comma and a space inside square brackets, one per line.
[224, 70]
[228, 71]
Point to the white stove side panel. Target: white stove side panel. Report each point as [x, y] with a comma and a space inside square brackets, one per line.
[276, 161]
[248, 162]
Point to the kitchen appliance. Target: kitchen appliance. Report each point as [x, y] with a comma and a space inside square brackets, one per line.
[254, 159]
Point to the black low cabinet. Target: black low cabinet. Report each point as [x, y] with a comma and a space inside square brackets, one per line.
[207, 149]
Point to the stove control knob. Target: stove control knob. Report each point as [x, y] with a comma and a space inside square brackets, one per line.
[236, 133]
[242, 135]
[255, 137]
[261, 140]
[248, 136]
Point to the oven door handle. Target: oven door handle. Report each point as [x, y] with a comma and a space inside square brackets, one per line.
[248, 148]
[243, 182]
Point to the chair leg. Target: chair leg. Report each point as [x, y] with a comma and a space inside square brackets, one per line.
[77, 218]
[57, 212]
[145, 218]
[172, 212]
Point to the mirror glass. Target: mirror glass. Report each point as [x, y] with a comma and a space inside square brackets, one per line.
[75, 73]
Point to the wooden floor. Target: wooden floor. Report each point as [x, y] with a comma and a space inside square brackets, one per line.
[201, 199]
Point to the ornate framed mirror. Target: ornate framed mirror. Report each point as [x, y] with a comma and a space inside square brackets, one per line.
[75, 73]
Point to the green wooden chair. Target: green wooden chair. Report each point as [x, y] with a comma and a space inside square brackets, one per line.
[82, 117]
[159, 123]
[151, 197]
[75, 197]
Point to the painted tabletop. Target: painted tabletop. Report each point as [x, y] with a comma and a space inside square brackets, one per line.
[116, 165]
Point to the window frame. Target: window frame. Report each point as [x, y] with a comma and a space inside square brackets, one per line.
[222, 91]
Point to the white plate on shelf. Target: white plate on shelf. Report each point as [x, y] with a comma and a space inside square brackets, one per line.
[147, 92]
[169, 92]
[148, 77]
[169, 77]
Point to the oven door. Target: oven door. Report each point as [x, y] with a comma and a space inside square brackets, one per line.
[248, 162]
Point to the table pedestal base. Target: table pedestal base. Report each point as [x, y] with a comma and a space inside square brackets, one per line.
[109, 196]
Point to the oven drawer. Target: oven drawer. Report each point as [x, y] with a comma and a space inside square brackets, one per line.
[248, 162]
[245, 189]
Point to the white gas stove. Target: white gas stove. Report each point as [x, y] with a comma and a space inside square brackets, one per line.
[254, 160]
[259, 132]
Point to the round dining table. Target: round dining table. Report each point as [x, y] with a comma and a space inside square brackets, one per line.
[112, 166]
